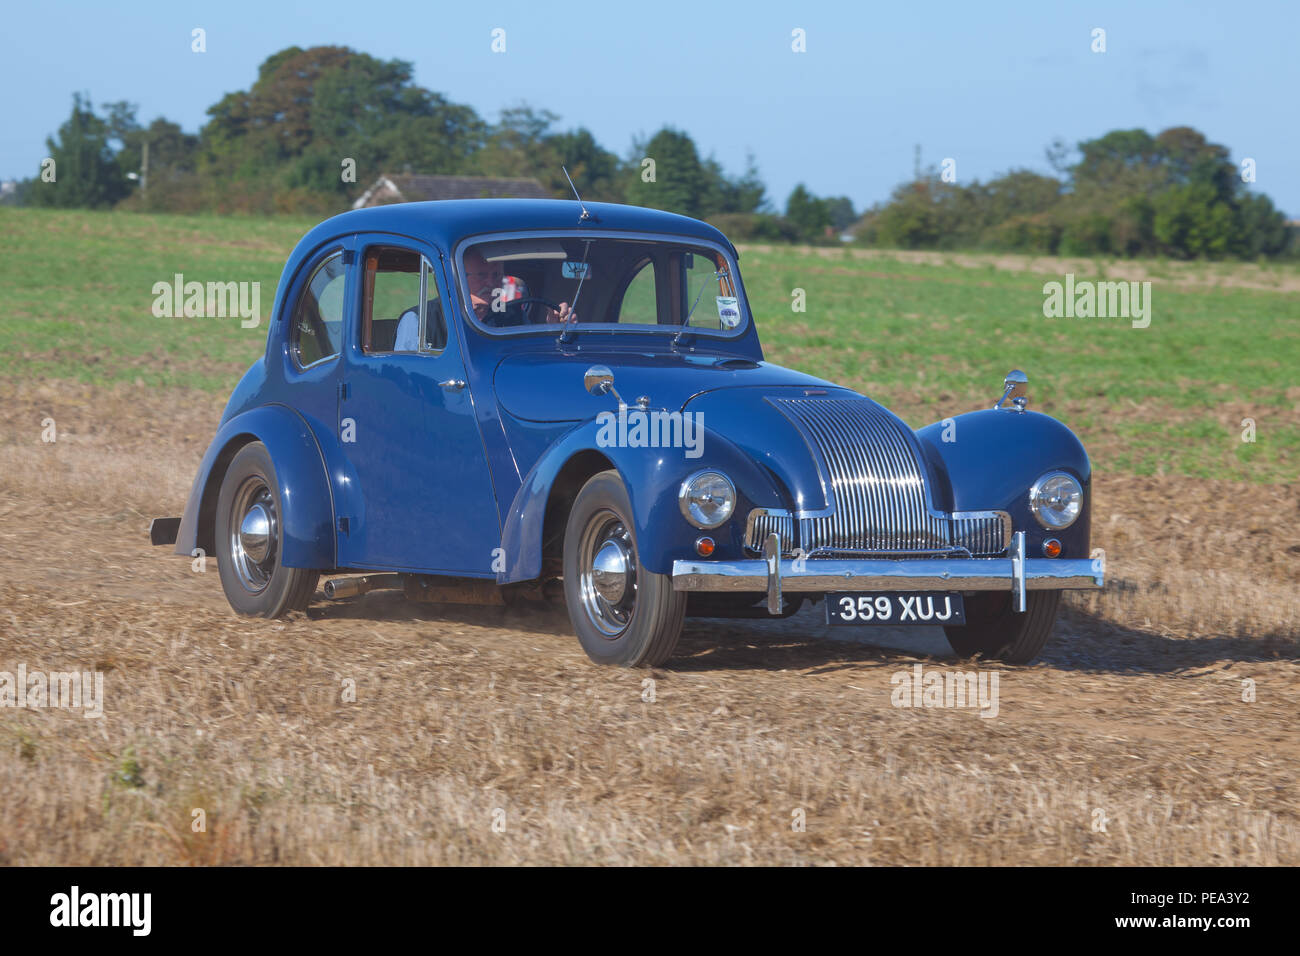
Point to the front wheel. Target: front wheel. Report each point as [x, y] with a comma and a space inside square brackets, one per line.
[995, 631]
[250, 540]
[623, 614]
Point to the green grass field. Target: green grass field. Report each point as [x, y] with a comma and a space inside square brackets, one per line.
[928, 337]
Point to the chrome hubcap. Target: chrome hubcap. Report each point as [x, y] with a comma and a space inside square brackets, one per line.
[254, 534]
[607, 574]
[609, 571]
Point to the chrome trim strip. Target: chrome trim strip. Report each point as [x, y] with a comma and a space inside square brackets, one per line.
[869, 553]
[917, 574]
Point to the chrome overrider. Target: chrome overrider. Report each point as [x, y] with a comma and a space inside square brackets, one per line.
[773, 574]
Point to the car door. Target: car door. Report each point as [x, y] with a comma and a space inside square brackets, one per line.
[312, 341]
[416, 494]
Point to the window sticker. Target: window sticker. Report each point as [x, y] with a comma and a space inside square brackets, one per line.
[728, 311]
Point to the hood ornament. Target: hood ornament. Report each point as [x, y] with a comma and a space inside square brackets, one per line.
[1014, 387]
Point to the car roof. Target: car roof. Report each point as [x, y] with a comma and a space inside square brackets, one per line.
[446, 222]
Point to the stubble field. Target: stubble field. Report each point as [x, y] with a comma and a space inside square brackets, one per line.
[485, 736]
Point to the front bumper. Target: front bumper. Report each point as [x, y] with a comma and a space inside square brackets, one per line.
[773, 574]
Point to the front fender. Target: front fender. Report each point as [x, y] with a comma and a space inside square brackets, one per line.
[652, 477]
[988, 459]
[305, 497]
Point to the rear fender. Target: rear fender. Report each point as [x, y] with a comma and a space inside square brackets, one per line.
[305, 497]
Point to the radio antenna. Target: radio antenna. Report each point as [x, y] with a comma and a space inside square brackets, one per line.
[585, 215]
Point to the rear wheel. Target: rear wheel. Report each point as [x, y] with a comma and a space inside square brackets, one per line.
[250, 540]
[995, 631]
[623, 614]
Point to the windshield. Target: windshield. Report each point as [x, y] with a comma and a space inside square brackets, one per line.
[592, 282]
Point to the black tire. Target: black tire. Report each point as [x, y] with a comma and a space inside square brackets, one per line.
[995, 631]
[639, 630]
[256, 587]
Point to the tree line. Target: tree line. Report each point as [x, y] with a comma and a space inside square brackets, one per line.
[318, 125]
[1128, 194]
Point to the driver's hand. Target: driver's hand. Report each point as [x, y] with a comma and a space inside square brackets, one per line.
[565, 314]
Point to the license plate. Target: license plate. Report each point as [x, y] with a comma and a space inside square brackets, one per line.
[894, 608]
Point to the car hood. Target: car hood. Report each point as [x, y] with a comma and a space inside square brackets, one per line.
[548, 387]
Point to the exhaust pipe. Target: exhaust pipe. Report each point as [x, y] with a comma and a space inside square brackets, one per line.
[340, 588]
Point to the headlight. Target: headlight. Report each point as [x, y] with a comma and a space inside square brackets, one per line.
[707, 499]
[1056, 499]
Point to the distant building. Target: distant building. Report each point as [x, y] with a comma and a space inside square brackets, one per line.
[410, 187]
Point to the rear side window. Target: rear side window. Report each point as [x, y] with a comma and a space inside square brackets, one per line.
[400, 299]
[317, 330]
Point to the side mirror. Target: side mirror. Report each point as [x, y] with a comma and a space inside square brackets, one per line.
[599, 380]
[1015, 387]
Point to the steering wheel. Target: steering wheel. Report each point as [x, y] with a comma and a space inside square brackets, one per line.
[531, 299]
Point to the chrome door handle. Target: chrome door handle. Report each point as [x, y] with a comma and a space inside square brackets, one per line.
[455, 384]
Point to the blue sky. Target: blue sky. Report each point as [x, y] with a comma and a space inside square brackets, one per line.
[987, 87]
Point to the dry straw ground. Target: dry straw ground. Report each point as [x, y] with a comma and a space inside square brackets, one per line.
[1135, 710]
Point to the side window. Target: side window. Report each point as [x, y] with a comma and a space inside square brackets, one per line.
[318, 317]
[400, 298]
[639, 299]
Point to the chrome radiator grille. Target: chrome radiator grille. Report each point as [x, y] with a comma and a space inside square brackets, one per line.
[762, 523]
[882, 504]
[982, 533]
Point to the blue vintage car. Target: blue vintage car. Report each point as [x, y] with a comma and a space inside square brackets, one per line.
[495, 400]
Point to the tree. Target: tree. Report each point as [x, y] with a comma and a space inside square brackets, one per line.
[726, 196]
[680, 181]
[909, 220]
[596, 171]
[311, 109]
[518, 146]
[1261, 228]
[841, 212]
[1191, 221]
[85, 172]
[809, 214]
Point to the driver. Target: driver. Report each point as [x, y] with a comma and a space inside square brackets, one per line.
[484, 278]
